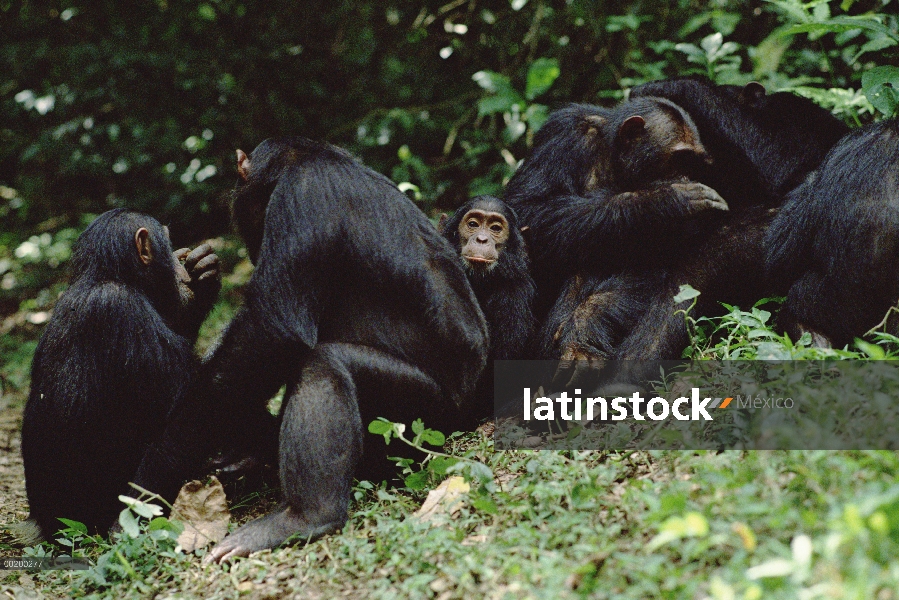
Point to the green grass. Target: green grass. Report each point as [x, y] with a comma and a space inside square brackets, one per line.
[574, 524]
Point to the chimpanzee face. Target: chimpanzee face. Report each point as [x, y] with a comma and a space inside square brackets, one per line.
[482, 236]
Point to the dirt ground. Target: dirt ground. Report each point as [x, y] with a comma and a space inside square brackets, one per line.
[13, 503]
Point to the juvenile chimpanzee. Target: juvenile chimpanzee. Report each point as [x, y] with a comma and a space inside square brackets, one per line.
[602, 191]
[833, 247]
[114, 359]
[358, 304]
[485, 232]
[762, 145]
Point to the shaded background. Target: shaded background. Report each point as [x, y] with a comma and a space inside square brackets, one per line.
[142, 104]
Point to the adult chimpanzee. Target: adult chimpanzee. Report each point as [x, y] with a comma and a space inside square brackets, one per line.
[762, 145]
[601, 191]
[358, 304]
[833, 247]
[114, 359]
[631, 215]
[485, 233]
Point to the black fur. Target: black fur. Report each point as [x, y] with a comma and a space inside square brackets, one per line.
[587, 213]
[763, 145]
[114, 359]
[359, 306]
[626, 220]
[506, 294]
[833, 247]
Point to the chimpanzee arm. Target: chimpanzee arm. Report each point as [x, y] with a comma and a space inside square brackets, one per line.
[510, 317]
[589, 228]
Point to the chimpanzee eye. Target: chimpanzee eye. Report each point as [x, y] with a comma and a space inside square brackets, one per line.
[473, 224]
[496, 228]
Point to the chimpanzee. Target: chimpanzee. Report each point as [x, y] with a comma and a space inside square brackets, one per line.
[763, 145]
[833, 246]
[602, 190]
[630, 211]
[485, 232]
[358, 305]
[114, 359]
[492, 247]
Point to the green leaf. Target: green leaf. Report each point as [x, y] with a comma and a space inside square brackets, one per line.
[686, 293]
[380, 427]
[441, 464]
[479, 472]
[485, 505]
[840, 24]
[490, 105]
[435, 438]
[163, 524]
[417, 481]
[75, 525]
[541, 75]
[144, 509]
[206, 12]
[757, 333]
[417, 426]
[129, 523]
[872, 350]
[493, 82]
[881, 88]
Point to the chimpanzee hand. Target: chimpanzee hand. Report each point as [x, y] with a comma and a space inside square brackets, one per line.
[202, 266]
[700, 197]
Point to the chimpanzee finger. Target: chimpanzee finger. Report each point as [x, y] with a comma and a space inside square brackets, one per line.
[705, 203]
[209, 261]
[196, 255]
[181, 253]
[208, 275]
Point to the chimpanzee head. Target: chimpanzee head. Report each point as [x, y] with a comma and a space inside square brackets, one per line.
[570, 155]
[131, 248]
[653, 139]
[485, 233]
[260, 173]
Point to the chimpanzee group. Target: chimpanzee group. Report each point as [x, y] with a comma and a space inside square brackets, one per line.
[362, 309]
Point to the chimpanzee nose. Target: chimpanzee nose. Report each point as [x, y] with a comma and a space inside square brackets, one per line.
[481, 238]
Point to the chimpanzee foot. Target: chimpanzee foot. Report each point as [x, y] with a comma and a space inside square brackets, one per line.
[268, 532]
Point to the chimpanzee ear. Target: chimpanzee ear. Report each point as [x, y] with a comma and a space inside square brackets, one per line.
[525, 235]
[753, 93]
[632, 127]
[441, 224]
[243, 164]
[142, 241]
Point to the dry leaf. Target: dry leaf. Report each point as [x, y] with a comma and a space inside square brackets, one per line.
[446, 499]
[203, 509]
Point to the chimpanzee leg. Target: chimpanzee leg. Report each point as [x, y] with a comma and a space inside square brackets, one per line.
[321, 439]
[811, 303]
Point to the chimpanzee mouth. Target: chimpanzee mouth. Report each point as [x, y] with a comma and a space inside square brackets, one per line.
[480, 260]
